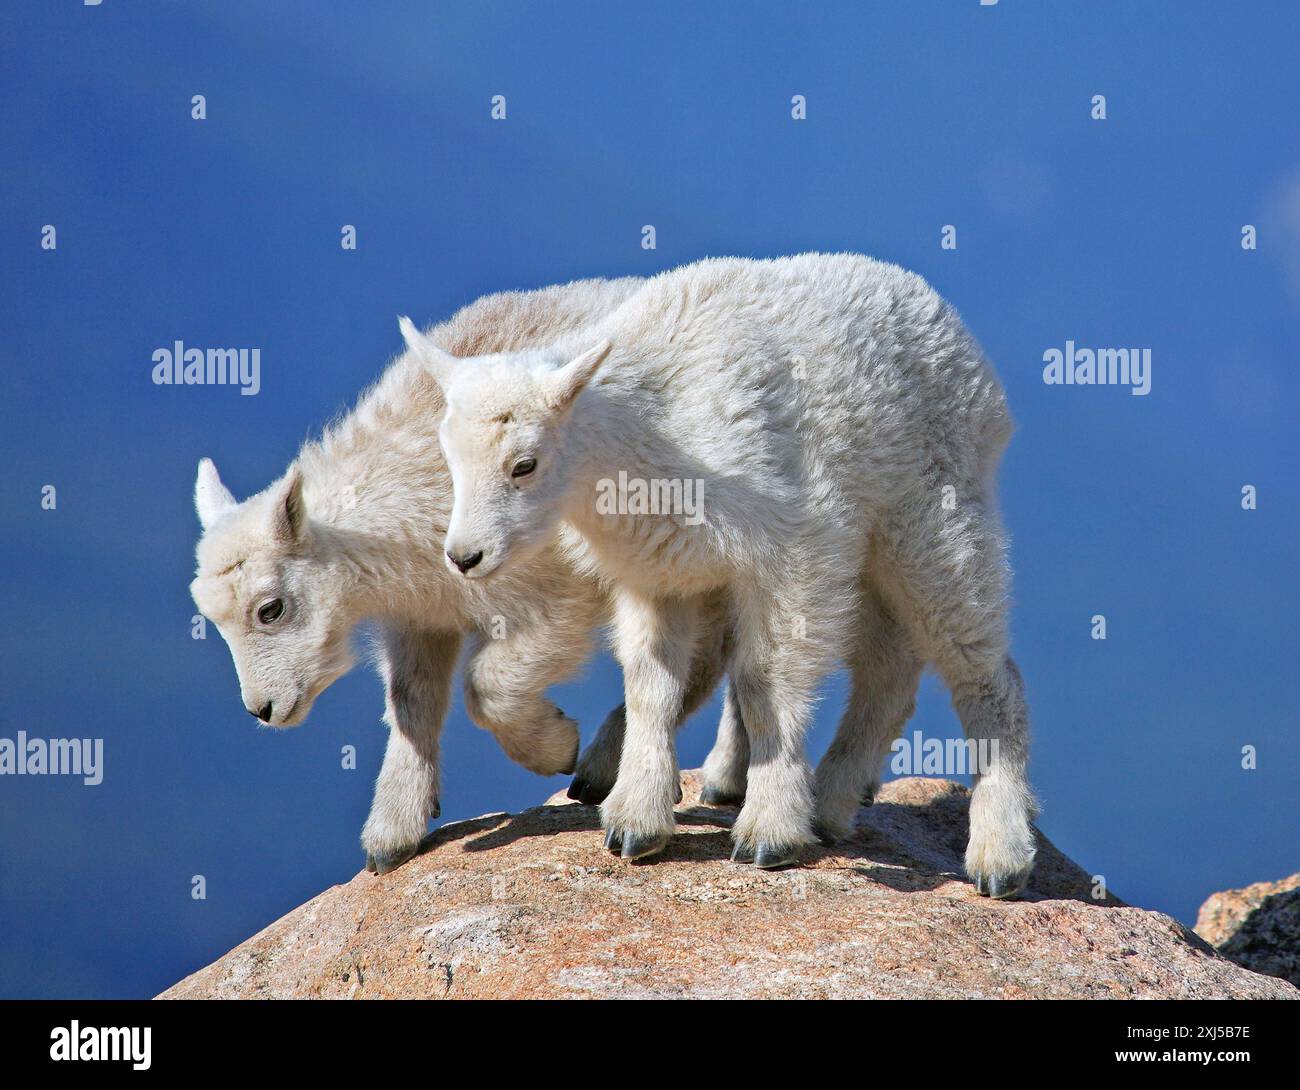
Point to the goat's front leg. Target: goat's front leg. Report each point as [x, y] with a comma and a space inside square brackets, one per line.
[597, 769]
[655, 642]
[417, 667]
[506, 679]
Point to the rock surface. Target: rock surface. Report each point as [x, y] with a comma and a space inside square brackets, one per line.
[531, 906]
[1258, 927]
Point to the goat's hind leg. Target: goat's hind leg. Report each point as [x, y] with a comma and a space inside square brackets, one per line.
[787, 641]
[885, 672]
[952, 593]
[726, 769]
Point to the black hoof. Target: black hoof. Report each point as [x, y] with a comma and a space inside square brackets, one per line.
[587, 793]
[741, 854]
[679, 793]
[632, 846]
[775, 856]
[379, 863]
[643, 845]
[715, 796]
[1000, 887]
[437, 809]
[869, 799]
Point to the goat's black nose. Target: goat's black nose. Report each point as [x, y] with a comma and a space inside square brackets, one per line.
[464, 563]
[263, 713]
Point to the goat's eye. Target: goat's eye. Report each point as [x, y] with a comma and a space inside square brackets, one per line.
[524, 467]
[271, 611]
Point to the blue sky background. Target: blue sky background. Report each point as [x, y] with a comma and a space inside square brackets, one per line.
[226, 232]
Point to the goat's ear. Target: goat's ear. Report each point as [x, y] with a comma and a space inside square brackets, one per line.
[441, 365]
[288, 512]
[212, 499]
[564, 385]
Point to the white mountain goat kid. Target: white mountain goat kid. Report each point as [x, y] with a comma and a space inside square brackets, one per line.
[825, 404]
[343, 537]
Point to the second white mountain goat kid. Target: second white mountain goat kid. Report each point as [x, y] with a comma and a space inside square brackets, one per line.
[342, 537]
